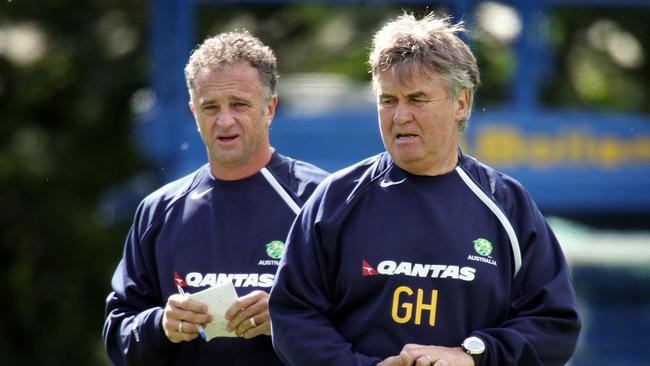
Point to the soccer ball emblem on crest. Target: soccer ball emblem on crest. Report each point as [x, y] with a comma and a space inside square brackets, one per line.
[274, 249]
[483, 247]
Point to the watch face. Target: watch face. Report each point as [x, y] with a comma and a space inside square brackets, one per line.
[474, 345]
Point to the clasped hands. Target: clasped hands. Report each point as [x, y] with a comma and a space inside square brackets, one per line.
[420, 355]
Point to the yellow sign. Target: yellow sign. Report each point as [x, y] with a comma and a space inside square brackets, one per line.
[507, 146]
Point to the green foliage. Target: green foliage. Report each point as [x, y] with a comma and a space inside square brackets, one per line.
[64, 142]
[308, 38]
[602, 59]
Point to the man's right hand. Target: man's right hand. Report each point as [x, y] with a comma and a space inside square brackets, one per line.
[180, 317]
[423, 355]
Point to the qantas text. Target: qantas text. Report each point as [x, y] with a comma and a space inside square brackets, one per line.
[426, 270]
[197, 279]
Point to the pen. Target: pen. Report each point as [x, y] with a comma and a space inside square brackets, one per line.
[201, 330]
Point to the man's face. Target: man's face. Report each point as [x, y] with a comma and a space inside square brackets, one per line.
[419, 124]
[233, 117]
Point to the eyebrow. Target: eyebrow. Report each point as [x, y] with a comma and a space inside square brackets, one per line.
[205, 102]
[236, 98]
[418, 94]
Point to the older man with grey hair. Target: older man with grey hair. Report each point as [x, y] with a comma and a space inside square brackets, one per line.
[422, 255]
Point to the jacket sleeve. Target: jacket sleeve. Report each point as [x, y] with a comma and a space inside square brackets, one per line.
[132, 332]
[299, 303]
[543, 323]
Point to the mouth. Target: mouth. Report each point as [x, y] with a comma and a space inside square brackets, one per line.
[404, 137]
[227, 138]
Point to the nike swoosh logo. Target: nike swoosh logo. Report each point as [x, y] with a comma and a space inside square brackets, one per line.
[384, 183]
[196, 195]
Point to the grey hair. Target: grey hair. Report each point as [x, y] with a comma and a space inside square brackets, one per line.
[226, 49]
[430, 44]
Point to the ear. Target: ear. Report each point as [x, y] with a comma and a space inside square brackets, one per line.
[191, 105]
[270, 111]
[193, 110]
[462, 106]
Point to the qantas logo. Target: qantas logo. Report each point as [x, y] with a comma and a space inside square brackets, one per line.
[178, 280]
[391, 268]
[196, 279]
[385, 184]
[367, 270]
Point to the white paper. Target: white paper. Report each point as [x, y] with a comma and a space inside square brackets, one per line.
[218, 298]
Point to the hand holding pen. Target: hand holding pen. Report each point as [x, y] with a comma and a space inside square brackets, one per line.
[182, 318]
[180, 327]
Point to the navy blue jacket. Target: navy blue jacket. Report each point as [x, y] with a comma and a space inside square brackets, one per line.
[197, 232]
[379, 258]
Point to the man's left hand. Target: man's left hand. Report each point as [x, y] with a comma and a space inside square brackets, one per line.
[420, 355]
[249, 315]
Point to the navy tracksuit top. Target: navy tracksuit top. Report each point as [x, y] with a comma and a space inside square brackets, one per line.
[379, 258]
[197, 232]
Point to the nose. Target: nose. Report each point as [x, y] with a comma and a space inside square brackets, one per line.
[402, 114]
[225, 118]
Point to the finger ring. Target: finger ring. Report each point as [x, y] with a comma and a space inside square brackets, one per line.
[253, 324]
[430, 359]
[180, 327]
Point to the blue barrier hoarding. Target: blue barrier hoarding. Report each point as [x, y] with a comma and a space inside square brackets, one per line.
[570, 162]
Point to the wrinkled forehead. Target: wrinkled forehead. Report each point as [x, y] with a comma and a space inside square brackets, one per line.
[407, 74]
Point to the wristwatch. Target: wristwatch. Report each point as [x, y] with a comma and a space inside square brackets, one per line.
[474, 347]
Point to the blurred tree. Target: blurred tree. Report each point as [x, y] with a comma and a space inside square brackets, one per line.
[603, 59]
[67, 73]
[600, 59]
[340, 35]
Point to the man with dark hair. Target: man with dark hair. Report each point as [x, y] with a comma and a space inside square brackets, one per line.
[225, 222]
[422, 255]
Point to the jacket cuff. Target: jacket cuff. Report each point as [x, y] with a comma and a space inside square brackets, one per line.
[153, 336]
